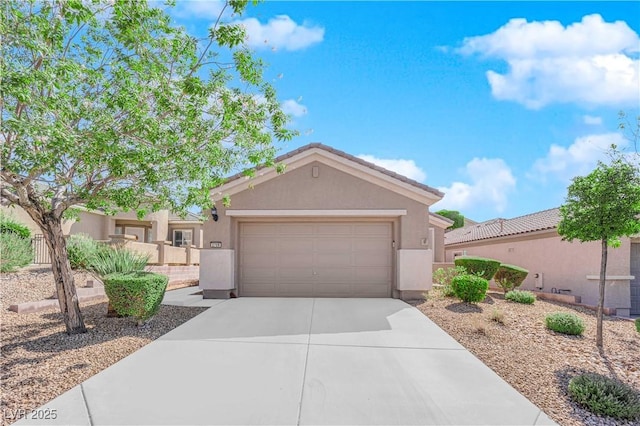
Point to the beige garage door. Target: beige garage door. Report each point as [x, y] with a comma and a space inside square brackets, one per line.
[351, 259]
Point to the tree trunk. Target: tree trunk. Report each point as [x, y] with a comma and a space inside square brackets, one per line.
[603, 275]
[62, 274]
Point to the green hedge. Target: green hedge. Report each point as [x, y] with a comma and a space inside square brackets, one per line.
[480, 266]
[638, 325]
[136, 294]
[470, 288]
[565, 322]
[9, 225]
[604, 396]
[15, 252]
[509, 277]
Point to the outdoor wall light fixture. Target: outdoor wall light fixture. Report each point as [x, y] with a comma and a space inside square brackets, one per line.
[214, 214]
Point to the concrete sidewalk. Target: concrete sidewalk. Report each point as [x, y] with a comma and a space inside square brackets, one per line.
[298, 362]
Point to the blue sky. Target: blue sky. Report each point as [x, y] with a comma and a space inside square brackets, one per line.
[496, 104]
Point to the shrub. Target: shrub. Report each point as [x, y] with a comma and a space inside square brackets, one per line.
[564, 322]
[497, 316]
[480, 266]
[443, 276]
[470, 288]
[638, 325]
[137, 294]
[520, 296]
[509, 277]
[81, 249]
[15, 252]
[111, 259]
[605, 396]
[9, 225]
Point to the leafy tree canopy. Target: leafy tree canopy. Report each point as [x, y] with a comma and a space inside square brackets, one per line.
[107, 104]
[604, 205]
[455, 216]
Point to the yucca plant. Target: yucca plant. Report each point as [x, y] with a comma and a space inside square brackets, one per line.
[110, 259]
[116, 259]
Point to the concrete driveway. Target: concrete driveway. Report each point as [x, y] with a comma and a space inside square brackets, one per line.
[299, 361]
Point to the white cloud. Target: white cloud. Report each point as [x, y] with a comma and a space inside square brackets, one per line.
[491, 181]
[577, 159]
[407, 168]
[591, 62]
[592, 120]
[293, 108]
[205, 9]
[281, 32]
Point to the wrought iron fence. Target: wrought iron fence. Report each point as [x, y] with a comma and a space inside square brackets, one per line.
[40, 250]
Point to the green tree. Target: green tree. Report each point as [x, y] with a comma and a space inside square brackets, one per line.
[106, 104]
[603, 206]
[455, 216]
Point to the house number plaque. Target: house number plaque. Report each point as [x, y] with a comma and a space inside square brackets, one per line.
[216, 244]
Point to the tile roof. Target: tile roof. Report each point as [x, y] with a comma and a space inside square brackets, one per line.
[350, 157]
[546, 219]
[190, 217]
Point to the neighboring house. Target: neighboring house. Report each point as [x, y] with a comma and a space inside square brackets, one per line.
[331, 225]
[166, 237]
[554, 265]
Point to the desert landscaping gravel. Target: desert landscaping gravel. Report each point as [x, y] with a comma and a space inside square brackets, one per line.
[39, 361]
[538, 362]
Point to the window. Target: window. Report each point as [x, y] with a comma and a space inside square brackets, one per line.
[182, 237]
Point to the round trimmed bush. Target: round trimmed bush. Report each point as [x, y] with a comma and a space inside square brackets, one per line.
[137, 294]
[470, 288]
[509, 277]
[604, 396]
[638, 325]
[521, 296]
[565, 323]
[480, 266]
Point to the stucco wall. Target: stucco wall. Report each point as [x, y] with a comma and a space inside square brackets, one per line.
[564, 265]
[438, 246]
[20, 215]
[332, 189]
[93, 224]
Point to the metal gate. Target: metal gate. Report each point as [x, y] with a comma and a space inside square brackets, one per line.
[40, 249]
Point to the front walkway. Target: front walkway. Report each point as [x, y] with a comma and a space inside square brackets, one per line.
[299, 361]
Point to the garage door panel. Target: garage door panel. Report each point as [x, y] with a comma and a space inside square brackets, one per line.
[296, 289]
[249, 229]
[372, 229]
[333, 245]
[323, 259]
[296, 260]
[259, 289]
[299, 229]
[372, 259]
[296, 274]
[337, 229]
[257, 274]
[373, 274]
[294, 245]
[328, 260]
[259, 245]
[371, 244]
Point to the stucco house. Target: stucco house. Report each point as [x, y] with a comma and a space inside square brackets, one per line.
[555, 266]
[331, 225]
[167, 238]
